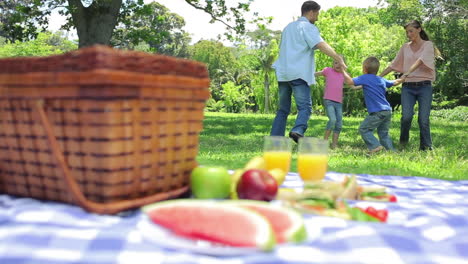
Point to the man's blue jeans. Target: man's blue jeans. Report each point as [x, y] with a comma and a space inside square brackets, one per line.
[380, 120]
[335, 115]
[301, 92]
[423, 95]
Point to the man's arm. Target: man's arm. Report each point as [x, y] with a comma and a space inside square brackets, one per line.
[328, 50]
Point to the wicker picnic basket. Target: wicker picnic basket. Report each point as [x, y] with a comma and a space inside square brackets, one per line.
[101, 128]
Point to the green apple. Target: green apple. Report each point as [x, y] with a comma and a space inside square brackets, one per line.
[210, 182]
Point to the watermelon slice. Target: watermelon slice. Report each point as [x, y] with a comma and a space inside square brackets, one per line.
[213, 221]
[286, 222]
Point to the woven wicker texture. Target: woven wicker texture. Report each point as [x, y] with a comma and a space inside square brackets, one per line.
[122, 125]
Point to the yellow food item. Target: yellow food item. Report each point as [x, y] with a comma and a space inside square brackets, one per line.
[257, 162]
[235, 177]
[279, 175]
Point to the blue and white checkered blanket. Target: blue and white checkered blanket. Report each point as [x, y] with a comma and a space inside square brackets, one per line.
[428, 224]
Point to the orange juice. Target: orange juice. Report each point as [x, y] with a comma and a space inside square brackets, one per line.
[277, 159]
[312, 167]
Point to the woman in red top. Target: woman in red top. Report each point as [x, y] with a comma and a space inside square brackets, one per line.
[416, 61]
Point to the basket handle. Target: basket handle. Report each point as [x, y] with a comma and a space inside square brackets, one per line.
[77, 194]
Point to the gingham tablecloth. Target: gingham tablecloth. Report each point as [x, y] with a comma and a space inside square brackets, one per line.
[428, 224]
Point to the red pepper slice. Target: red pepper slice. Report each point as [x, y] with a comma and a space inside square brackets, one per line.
[382, 215]
[389, 197]
[371, 211]
[313, 207]
[392, 198]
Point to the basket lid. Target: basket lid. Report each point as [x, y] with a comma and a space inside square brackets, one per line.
[100, 71]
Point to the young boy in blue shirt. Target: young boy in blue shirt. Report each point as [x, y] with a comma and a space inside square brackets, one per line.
[380, 111]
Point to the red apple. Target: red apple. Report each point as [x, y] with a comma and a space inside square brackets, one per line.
[257, 184]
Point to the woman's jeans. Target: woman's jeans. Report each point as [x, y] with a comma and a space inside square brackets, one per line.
[423, 95]
[380, 120]
[301, 92]
[335, 115]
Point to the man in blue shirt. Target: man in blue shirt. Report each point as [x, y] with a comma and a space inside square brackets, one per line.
[295, 69]
[380, 111]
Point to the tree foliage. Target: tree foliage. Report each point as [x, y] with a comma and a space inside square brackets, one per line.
[15, 22]
[154, 25]
[45, 44]
[263, 46]
[219, 61]
[400, 12]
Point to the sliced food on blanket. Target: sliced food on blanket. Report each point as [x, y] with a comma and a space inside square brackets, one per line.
[368, 214]
[347, 189]
[378, 193]
[350, 188]
[339, 209]
[331, 187]
[287, 223]
[326, 199]
[317, 202]
[213, 221]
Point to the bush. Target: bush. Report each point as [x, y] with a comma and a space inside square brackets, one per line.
[215, 106]
[446, 104]
[459, 113]
[44, 45]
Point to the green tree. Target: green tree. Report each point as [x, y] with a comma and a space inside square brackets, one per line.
[138, 26]
[400, 12]
[219, 61]
[95, 20]
[233, 98]
[15, 23]
[264, 43]
[245, 72]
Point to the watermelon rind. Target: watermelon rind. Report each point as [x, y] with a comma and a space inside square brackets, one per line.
[296, 233]
[265, 239]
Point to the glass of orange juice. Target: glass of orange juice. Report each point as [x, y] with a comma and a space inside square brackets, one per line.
[312, 158]
[277, 152]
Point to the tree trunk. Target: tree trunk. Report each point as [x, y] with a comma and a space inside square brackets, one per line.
[95, 24]
[266, 86]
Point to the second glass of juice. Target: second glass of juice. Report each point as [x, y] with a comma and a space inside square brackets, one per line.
[277, 152]
[312, 158]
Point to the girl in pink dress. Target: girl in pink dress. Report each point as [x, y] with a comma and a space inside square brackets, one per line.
[333, 100]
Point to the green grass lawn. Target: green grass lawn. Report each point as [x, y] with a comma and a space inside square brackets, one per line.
[230, 140]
